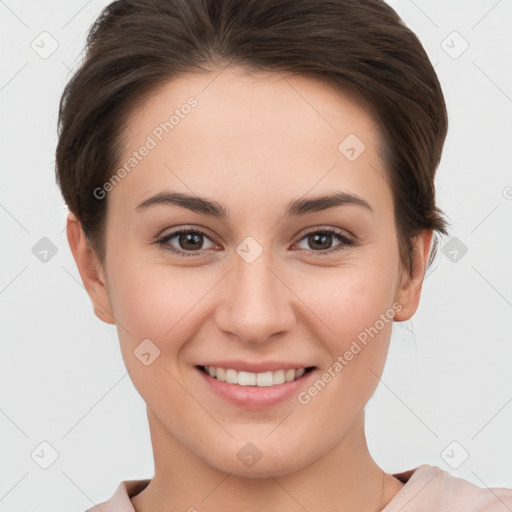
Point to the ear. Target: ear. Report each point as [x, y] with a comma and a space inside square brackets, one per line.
[409, 291]
[90, 269]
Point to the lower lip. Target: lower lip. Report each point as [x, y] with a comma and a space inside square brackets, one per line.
[252, 397]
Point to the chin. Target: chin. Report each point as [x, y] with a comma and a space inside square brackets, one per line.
[258, 460]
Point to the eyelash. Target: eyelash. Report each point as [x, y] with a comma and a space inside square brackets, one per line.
[164, 245]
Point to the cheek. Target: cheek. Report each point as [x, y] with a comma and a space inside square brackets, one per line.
[355, 305]
[349, 299]
[143, 305]
[154, 309]
[163, 304]
[358, 308]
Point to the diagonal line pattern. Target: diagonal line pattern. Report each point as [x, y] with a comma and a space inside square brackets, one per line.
[280, 423]
[486, 14]
[96, 507]
[304, 98]
[492, 81]
[491, 419]
[81, 419]
[491, 490]
[13, 13]
[13, 279]
[14, 76]
[286, 491]
[14, 423]
[215, 77]
[14, 218]
[493, 287]
[216, 487]
[492, 211]
[5, 495]
[76, 14]
[424, 13]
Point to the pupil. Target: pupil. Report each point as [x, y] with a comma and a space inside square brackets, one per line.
[185, 238]
[324, 237]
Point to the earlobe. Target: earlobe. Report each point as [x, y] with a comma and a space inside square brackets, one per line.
[89, 269]
[409, 292]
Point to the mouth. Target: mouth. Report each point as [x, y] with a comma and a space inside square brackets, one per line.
[262, 379]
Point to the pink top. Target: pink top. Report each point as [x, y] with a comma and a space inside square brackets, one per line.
[427, 489]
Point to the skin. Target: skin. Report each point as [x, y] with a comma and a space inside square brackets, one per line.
[253, 143]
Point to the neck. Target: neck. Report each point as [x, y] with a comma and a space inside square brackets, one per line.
[345, 478]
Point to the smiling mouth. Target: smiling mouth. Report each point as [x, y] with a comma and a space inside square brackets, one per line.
[264, 379]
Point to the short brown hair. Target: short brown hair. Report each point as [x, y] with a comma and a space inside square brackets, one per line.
[359, 46]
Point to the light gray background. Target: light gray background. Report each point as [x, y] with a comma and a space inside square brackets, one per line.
[448, 377]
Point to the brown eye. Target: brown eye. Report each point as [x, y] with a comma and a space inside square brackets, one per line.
[189, 242]
[321, 240]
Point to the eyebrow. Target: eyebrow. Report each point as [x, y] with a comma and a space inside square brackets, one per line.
[297, 207]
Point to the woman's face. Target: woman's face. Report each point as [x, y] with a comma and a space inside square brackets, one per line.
[264, 288]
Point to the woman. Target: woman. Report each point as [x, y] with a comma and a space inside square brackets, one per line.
[252, 204]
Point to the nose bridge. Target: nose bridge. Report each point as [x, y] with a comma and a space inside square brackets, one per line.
[256, 301]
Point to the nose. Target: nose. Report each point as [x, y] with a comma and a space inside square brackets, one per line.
[258, 303]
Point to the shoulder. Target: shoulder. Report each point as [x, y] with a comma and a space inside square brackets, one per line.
[430, 488]
[120, 501]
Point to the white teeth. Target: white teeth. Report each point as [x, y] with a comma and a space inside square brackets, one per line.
[231, 376]
[279, 377]
[246, 379]
[263, 379]
[289, 375]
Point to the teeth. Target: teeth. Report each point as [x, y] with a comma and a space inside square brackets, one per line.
[289, 375]
[278, 377]
[231, 376]
[263, 379]
[246, 379]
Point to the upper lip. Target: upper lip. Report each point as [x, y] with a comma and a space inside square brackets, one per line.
[257, 367]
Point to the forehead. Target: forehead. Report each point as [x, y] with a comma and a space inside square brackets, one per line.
[243, 104]
[253, 133]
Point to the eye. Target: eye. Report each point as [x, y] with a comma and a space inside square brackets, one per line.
[322, 238]
[189, 242]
